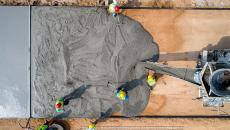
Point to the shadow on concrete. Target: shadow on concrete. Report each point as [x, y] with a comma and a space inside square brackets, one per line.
[108, 112]
[133, 84]
[224, 43]
[77, 93]
[66, 114]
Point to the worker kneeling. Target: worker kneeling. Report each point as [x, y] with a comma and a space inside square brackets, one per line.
[122, 94]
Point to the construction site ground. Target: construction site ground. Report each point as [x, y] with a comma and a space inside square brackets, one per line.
[125, 3]
[180, 35]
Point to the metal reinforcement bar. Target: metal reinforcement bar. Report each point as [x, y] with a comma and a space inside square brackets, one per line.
[30, 78]
[155, 117]
[137, 127]
[146, 8]
[164, 8]
[150, 117]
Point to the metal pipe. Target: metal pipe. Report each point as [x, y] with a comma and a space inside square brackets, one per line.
[151, 117]
[30, 50]
[157, 8]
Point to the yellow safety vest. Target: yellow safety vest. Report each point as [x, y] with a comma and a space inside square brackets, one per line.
[112, 7]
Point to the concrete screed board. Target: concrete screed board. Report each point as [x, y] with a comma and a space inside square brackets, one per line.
[14, 59]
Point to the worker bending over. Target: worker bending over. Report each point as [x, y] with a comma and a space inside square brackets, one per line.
[151, 79]
[60, 105]
[46, 126]
[122, 94]
[113, 8]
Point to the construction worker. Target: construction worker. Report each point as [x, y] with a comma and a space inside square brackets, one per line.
[43, 127]
[46, 126]
[113, 8]
[122, 94]
[92, 126]
[59, 105]
[151, 78]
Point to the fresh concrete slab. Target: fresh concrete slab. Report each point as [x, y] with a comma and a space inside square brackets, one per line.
[82, 49]
[14, 59]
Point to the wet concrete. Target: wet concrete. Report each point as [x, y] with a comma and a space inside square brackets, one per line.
[82, 49]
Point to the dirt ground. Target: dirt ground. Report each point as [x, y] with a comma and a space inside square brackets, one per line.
[125, 3]
[77, 124]
[180, 34]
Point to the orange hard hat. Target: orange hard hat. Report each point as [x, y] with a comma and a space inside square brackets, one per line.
[58, 105]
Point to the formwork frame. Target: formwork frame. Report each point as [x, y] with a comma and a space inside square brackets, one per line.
[153, 117]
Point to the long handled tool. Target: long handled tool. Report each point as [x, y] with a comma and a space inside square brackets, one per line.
[63, 99]
[95, 122]
[110, 85]
[163, 78]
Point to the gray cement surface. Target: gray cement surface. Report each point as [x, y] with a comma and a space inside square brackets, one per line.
[82, 49]
[14, 59]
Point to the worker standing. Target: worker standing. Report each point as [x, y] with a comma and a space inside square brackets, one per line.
[59, 105]
[151, 79]
[113, 8]
[122, 94]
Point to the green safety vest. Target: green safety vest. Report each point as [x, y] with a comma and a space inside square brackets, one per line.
[61, 100]
[111, 7]
[43, 127]
[151, 83]
[118, 94]
[94, 128]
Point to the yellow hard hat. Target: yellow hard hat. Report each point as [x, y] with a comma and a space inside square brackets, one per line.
[122, 94]
[150, 78]
[91, 126]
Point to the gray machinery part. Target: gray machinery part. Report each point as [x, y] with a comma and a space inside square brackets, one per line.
[216, 80]
[186, 74]
[214, 62]
[210, 96]
[208, 71]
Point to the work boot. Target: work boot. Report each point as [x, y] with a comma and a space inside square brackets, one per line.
[151, 88]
